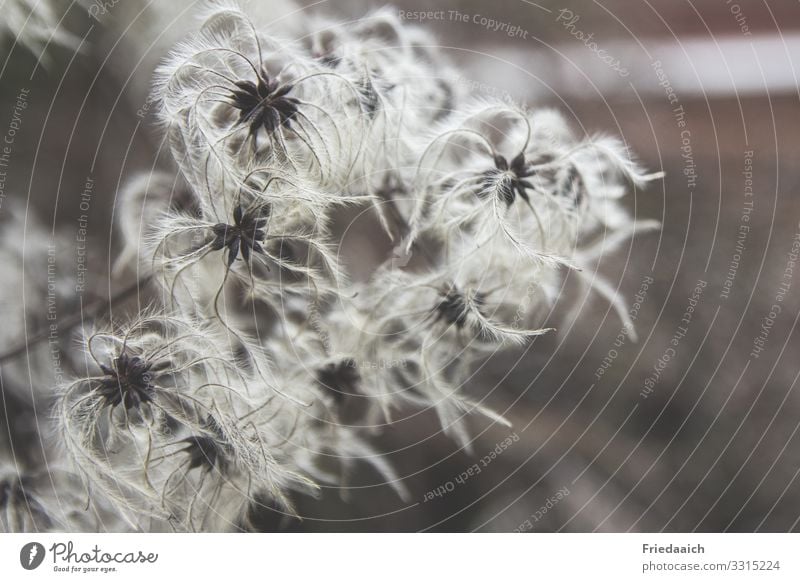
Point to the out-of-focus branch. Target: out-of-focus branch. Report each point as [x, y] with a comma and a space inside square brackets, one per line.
[90, 312]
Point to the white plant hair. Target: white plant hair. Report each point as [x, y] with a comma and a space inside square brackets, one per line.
[264, 367]
[36, 25]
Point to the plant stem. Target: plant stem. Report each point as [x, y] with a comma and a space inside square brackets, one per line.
[90, 312]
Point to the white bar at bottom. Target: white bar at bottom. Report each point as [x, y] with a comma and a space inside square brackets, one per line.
[401, 557]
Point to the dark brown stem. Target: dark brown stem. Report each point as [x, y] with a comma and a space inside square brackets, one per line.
[90, 312]
[400, 221]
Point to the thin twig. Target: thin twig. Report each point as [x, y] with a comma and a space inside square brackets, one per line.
[90, 312]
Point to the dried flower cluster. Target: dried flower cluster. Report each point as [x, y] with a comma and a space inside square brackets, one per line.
[267, 365]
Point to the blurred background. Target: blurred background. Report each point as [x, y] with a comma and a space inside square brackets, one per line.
[692, 427]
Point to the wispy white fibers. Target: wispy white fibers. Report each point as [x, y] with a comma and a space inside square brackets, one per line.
[35, 24]
[266, 368]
